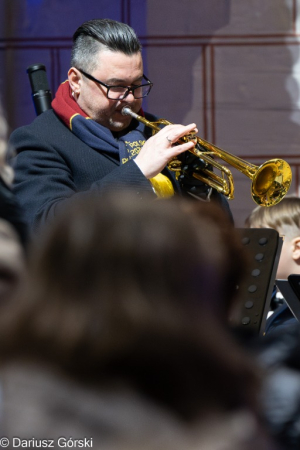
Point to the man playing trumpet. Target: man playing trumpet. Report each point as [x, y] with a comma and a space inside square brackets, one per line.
[85, 144]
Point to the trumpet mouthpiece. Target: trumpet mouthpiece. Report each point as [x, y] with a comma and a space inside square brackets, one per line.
[126, 111]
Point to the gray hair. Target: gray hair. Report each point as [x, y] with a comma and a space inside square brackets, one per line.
[98, 34]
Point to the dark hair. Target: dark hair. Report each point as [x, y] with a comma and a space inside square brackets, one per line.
[96, 34]
[122, 289]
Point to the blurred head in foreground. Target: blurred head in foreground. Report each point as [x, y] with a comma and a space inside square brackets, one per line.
[134, 295]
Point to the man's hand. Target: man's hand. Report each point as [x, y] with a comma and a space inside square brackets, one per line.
[162, 147]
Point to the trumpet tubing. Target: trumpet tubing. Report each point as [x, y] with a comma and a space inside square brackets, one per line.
[270, 181]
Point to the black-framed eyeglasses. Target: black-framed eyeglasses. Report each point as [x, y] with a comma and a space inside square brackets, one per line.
[121, 92]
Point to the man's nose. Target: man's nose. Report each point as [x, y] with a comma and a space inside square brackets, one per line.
[130, 92]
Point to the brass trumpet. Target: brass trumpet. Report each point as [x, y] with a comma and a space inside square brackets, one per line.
[270, 181]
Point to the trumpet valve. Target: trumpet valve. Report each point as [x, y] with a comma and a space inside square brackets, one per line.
[174, 164]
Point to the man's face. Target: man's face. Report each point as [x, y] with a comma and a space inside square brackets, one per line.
[113, 68]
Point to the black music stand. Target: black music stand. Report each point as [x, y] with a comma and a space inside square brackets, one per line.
[290, 290]
[254, 293]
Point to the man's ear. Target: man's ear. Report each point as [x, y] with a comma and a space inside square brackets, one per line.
[74, 77]
[296, 249]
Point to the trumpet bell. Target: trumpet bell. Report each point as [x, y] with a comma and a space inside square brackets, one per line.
[271, 182]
